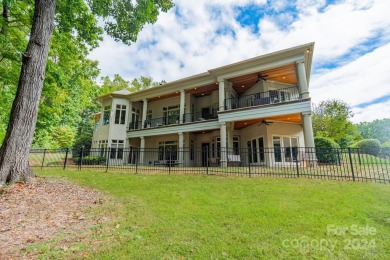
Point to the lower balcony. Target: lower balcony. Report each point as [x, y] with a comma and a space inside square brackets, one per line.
[263, 98]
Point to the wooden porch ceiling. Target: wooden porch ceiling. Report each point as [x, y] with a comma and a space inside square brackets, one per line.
[284, 74]
[293, 118]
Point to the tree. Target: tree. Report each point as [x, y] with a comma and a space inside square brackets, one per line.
[377, 129]
[331, 119]
[123, 21]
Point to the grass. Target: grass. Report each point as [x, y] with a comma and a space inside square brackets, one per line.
[171, 216]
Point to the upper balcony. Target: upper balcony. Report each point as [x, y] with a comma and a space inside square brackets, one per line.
[263, 98]
[204, 115]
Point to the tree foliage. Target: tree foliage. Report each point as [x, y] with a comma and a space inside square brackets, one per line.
[378, 129]
[331, 119]
[69, 87]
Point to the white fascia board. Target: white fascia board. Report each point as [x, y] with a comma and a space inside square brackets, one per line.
[253, 68]
[168, 88]
[183, 128]
[265, 111]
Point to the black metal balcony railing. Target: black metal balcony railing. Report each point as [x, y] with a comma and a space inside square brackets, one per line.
[200, 116]
[169, 120]
[135, 125]
[263, 98]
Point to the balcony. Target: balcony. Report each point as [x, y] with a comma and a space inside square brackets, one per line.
[200, 116]
[263, 98]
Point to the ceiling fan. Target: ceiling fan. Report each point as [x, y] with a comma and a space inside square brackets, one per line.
[265, 122]
[261, 77]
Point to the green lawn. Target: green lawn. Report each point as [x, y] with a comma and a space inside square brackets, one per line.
[171, 217]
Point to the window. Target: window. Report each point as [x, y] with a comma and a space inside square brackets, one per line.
[236, 146]
[192, 150]
[135, 119]
[133, 155]
[103, 147]
[285, 148]
[171, 115]
[120, 114]
[256, 150]
[167, 150]
[117, 149]
[106, 115]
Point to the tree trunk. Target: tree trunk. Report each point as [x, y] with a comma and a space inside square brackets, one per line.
[16, 146]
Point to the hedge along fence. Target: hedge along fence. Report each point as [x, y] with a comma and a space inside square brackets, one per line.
[325, 150]
[369, 146]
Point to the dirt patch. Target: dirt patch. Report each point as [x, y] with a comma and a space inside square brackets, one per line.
[35, 212]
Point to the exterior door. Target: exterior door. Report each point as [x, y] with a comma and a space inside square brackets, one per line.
[205, 153]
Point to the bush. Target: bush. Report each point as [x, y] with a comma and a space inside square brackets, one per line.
[386, 144]
[369, 146]
[89, 160]
[326, 150]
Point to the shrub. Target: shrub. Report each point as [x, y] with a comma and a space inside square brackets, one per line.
[369, 146]
[326, 150]
[90, 160]
[386, 144]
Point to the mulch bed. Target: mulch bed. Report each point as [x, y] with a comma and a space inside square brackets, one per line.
[31, 213]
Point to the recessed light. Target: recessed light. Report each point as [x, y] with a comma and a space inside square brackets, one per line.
[288, 118]
[195, 88]
[284, 77]
[243, 86]
[202, 94]
[216, 83]
[245, 123]
[202, 132]
[308, 50]
[177, 92]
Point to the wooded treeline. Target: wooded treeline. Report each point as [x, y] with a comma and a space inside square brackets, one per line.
[332, 120]
[72, 81]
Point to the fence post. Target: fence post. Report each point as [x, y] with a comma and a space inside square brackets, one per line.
[249, 162]
[297, 163]
[350, 161]
[207, 160]
[136, 160]
[43, 159]
[360, 163]
[81, 158]
[66, 157]
[108, 158]
[338, 156]
[170, 159]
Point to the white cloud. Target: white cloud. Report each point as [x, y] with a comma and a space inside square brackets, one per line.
[188, 44]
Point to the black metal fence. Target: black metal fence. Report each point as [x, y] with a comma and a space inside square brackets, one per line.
[293, 162]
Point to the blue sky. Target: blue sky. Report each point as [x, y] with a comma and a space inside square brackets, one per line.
[352, 44]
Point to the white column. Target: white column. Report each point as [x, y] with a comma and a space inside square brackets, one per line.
[221, 95]
[182, 105]
[181, 149]
[303, 86]
[144, 111]
[230, 132]
[309, 139]
[223, 158]
[129, 117]
[142, 152]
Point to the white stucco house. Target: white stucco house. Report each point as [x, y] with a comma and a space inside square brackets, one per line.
[263, 102]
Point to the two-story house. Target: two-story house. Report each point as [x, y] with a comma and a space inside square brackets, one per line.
[263, 102]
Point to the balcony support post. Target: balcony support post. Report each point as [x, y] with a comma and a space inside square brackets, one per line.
[223, 158]
[309, 139]
[181, 149]
[302, 79]
[221, 94]
[182, 105]
[142, 152]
